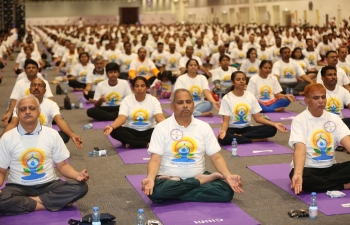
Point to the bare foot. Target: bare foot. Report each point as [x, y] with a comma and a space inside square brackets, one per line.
[347, 186]
[206, 178]
[207, 114]
[282, 109]
[166, 177]
[127, 146]
[259, 140]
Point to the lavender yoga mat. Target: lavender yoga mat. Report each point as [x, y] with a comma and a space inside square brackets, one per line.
[260, 148]
[164, 101]
[346, 112]
[211, 120]
[299, 98]
[43, 216]
[130, 156]
[100, 125]
[189, 213]
[86, 103]
[278, 174]
[281, 116]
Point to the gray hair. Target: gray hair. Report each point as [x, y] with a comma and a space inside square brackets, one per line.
[172, 97]
[25, 97]
[98, 58]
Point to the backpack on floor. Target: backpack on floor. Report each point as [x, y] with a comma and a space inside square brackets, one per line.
[59, 90]
[67, 104]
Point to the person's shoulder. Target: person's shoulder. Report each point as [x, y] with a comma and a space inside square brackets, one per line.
[13, 133]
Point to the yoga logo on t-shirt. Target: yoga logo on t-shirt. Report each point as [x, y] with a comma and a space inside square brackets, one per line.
[32, 161]
[27, 92]
[252, 70]
[322, 142]
[165, 87]
[42, 119]
[227, 79]
[184, 150]
[326, 49]
[288, 72]
[277, 53]
[241, 112]
[113, 98]
[199, 54]
[241, 55]
[265, 92]
[142, 70]
[159, 59]
[140, 117]
[127, 64]
[312, 60]
[196, 92]
[82, 76]
[172, 62]
[263, 57]
[113, 58]
[96, 81]
[346, 69]
[333, 105]
[302, 65]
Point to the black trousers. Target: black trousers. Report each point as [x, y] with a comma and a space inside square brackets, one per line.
[55, 195]
[103, 113]
[297, 87]
[64, 136]
[248, 133]
[89, 95]
[76, 84]
[135, 138]
[325, 179]
[124, 76]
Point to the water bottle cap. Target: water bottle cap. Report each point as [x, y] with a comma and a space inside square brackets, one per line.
[95, 208]
[313, 193]
[140, 210]
[90, 153]
[234, 139]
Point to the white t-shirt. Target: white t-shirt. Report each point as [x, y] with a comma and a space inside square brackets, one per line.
[171, 61]
[238, 55]
[124, 61]
[166, 86]
[112, 55]
[323, 49]
[48, 110]
[312, 56]
[158, 57]
[23, 75]
[239, 109]
[342, 79]
[195, 85]
[201, 53]
[287, 71]
[276, 52]
[95, 79]
[21, 63]
[250, 69]
[264, 89]
[336, 100]
[214, 60]
[81, 71]
[223, 76]
[345, 66]
[183, 148]
[140, 115]
[70, 60]
[184, 60]
[303, 63]
[264, 55]
[31, 157]
[320, 135]
[22, 88]
[113, 94]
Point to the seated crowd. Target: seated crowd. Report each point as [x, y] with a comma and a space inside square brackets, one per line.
[125, 71]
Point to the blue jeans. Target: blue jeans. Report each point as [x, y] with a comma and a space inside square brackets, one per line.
[282, 102]
[204, 106]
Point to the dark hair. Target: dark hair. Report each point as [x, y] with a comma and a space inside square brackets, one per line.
[188, 62]
[329, 52]
[308, 39]
[30, 61]
[133, 82]
[125, 43]
[160, 43]
[264, 62]
[282, 49]
[84, 53]
[233, 75]
[325, 68]
[293, 53]
[224, 56]
[112, 66]
[138, 51]
[167, 74]
[250, 51]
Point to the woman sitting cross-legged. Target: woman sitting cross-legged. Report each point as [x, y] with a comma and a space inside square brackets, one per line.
[237, 108]
[266, 88]
[137, 116]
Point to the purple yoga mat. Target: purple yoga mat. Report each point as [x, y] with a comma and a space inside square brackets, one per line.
[281, 116]
[302, 103]
[86, 103]
[43, 216]
[164, 101]
[278, 174]
[100, 125]
[130, 156]
[260, 148]
[346, 112]
[299, 98]
[211, 120]
[288, 126]
[189, 213]
[55, 127]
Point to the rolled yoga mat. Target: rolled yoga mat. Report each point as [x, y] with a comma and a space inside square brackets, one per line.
[278, 174]
[281, 116]
[43, 216]
[174, 212]
[211, 120]
[260, 148]
[130, 156]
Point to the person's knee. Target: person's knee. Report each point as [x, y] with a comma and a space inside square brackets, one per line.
[82, 189]
[227, 195]
[90, 112]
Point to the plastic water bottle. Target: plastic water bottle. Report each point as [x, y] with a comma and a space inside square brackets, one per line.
[95, 216]
[291, 91]
[80, 103]
[8, 105]
[87, 126]
[287, 91]
[65, 85]
[96, 153]
[141, 218]
[313, 209]
[234, 147]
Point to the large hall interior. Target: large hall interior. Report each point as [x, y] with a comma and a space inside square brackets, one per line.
[79, 50]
